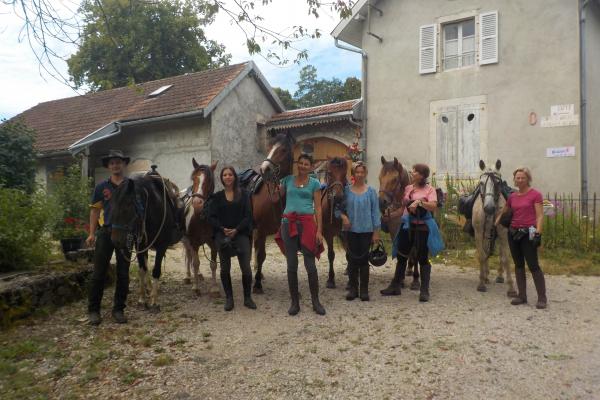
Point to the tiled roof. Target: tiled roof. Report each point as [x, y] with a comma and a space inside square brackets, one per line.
[60, 123]
[317, 111]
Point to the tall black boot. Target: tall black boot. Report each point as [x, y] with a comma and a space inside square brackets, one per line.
[425, 276]
[521, 287]
[353, 283]
[540, 287]
[364, 282]
[394, 287]
[295, 296]
[313, 284]
[247, 284]
[228, 289]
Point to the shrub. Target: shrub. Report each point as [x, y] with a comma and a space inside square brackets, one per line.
[17, 156]
[24, 220]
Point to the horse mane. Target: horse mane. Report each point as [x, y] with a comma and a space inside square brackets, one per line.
[283, 139]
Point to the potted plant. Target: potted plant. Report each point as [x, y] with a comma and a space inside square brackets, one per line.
[354, 152]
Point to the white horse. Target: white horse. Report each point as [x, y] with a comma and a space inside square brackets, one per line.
[487, 207]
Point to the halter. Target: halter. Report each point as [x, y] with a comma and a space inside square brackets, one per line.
[489, 219]
[496, 180]
[330, 193]
[391, 195]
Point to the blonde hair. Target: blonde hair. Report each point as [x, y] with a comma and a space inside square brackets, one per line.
[524, 170]
[358, 164]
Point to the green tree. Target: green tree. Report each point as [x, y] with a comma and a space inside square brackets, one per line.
[352, 88]
[315, 92]
[17, 156]
[133, 41]
[286, 98]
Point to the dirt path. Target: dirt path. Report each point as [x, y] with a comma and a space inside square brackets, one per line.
[461, 345]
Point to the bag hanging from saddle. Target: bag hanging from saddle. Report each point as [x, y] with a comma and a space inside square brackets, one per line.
[506, 217]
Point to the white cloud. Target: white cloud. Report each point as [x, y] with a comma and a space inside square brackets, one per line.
[23, 85]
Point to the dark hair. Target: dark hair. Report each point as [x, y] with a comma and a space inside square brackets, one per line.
[236, 186]
[307, 157]
[423, 170]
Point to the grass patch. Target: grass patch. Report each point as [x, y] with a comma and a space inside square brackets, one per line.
[163, 360]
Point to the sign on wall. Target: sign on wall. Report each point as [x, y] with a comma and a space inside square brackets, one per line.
[567, 151]
[560, 115]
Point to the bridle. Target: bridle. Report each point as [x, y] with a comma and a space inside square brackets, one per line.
[208, 184]
[489, 219]
[329, 193]
[392, 195]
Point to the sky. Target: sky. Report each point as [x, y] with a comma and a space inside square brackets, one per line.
[24, 84]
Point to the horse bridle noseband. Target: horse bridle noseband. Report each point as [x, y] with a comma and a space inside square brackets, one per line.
[392, 194]
[496, 180]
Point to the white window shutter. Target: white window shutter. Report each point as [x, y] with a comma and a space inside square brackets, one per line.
[427, 49]
[488, 38]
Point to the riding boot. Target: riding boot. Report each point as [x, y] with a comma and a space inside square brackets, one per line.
[540, 287]
[295, 296]
[247, 284]
[364, 282]
[425, 276]
[521, 287]
[228, 289]
[353, 283]
[394, 287]
[313, 284]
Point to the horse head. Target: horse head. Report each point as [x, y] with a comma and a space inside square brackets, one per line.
[393, 178]
[336, 172]
[490, 183]
[279, 161]
[126, 214]
[203, 182]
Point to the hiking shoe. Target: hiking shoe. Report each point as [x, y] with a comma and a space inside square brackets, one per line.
[94, 318]
[119, 317]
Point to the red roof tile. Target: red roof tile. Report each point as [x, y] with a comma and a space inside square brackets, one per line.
[60, 123]
[314, 111]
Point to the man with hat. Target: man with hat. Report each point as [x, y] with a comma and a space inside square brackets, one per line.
[100, 230]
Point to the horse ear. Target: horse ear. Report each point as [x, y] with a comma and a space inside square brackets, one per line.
[383, 161]
[396, 163]
[481, 165]
[213, 165]
[195, 164]
[498, 164]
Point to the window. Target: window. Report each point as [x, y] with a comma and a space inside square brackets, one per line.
[459, 44]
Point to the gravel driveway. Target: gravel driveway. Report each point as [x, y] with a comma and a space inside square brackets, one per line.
[463, 344]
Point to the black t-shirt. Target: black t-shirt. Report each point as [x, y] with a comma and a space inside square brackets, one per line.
[231, 214]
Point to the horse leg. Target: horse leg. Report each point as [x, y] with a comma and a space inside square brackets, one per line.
[261, 254]
[505, 264]
[187, 261]
[413, 264]
[156, 272]
[143, 271]
[331, 258]
[214, 290]
[195, 266]
[483, 265]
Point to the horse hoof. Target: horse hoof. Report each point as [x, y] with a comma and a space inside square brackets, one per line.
[511, 293]
[142, 306]
[499, 279]
[487, 281]
[187, 281]
[481, 288]
[330, 284]
[415, 285]
[197, 292]
[257, 290]
[201, 277]
[154, 309]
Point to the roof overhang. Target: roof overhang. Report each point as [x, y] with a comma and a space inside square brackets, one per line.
[318, 119]
[350, 30]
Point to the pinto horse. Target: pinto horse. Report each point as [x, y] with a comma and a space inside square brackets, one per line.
[487, 207]
[198, 231]
[145, 213]
[332, 196]
[393, 179]
[267, 203]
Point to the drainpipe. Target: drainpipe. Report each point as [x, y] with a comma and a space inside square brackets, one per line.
[583, 104]
[363, 88]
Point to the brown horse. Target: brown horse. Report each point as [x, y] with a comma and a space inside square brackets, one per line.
[331, 196]
[198, 231]
[393, 179]
[267, 204]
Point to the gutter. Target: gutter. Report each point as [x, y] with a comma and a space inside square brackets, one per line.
[583, 104]
[364, 76]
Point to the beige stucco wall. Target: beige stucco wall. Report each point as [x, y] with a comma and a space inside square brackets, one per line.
[235, 137]
[169, 145]
[538, 67]
[593, 104]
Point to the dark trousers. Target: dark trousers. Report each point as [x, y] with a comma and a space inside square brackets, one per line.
[102, 255]
[358, 248]
[524, 250]
[292, 245]
[417, 237]
[242, 245]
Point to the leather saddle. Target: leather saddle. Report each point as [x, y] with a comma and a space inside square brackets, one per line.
[250, 180]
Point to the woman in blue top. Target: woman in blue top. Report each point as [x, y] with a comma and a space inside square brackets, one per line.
[361, 221]
[301, 230]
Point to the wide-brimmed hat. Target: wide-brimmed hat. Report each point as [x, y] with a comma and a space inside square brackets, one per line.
[114, 154]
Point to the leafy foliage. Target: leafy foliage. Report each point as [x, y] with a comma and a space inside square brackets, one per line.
[127, 42]
[17, 156]
[24, 219]
[286, 98]
[315, 92]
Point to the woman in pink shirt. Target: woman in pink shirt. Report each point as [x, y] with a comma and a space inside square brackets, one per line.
[525, 235]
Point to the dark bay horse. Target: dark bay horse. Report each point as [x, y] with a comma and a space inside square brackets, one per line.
[393, 179]
[267, 204]
[146, 215]
[331, 197]
[198, 231]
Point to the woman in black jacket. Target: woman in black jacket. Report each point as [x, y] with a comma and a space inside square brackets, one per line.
[230, 215]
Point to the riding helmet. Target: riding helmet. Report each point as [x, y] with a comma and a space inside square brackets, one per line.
[377, 255]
